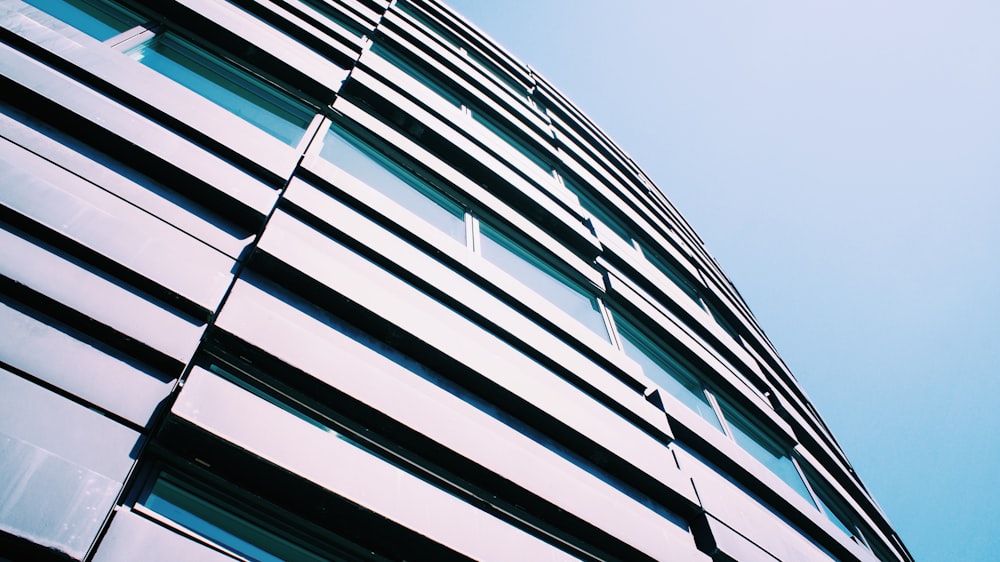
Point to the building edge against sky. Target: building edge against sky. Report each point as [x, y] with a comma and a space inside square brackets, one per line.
[312, 280]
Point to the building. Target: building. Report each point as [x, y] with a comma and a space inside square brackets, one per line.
[338, 280]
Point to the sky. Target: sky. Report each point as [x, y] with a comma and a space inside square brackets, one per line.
[841, 161]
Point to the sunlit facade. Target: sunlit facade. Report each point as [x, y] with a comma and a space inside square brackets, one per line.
[344, 280]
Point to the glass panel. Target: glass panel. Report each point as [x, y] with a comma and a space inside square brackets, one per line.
[331, 12]
[495, 70]
[667, 373]
[763, 448]
[221, 524]
[598, 211]
[436, 29]
[511, 139]
[228, 86]
[417, 74]
[541, 278]
[671, 272]
[101, 23]
[836, 513]
[832, 516]
[369, 165]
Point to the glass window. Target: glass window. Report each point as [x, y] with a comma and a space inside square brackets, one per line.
[597, 211]
[671, 272]
[541, 278]
[834, 509]
[417, 74]
[666, 372]
[370, 165]
[616, 226]
[497, 72]
[449, 37]
[226, 85]
[100, 21]
[326, 8]
[762, 447]
[514, 141]
[223, 524]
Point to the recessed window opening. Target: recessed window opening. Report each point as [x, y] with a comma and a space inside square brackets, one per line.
[667, 372]
[513, 140]
[685, 384]
[755, 440]
[372, 166]
[329, 10]
[226, 85]
[462, 46]
[100, 20]
[834, 508]
[495, 126]
[230, 527]
[215, 78]
[413, 70]
[502, 251]
[625, 233]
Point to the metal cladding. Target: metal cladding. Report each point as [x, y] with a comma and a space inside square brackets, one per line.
[344, 280]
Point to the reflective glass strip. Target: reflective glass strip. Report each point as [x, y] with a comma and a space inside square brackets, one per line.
[513, 141]
[417, 74]
[226, 85]
[671, 272]
[541, 278]
[667, 373]
[327, 9]
[100, 21]
[223, 526]
[763, 448]
[368, 164]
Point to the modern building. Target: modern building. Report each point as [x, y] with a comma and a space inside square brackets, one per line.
[344, 280]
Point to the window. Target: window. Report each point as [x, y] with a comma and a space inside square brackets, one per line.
[761, 446]
[226, 85]
[491, 68]
[334, 13]
[681, 382]
[540, 277]
[223, 523]
[513, 140]
[501, 130]
[102, 22]
[370, 165]
[834, 508]
[418, 74]
[374, 167]
[618, 228]
[673, 377]
[215, 78]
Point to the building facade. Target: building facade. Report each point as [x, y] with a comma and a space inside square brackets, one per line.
[344, 280]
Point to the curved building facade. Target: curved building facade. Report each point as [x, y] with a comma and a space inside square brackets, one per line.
[344, 280]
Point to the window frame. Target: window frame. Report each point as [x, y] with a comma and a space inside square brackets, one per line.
[147, 32]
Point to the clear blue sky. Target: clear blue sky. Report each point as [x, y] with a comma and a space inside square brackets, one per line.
[841, 160]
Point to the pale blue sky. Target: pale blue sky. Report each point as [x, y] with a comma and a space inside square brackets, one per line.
[841, 160]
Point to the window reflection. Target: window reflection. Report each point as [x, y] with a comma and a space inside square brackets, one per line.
[667, 372]
[762, 447]
[541, 278]
[226, 85]
[100, 21]
[221, 523]
[368, 164]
